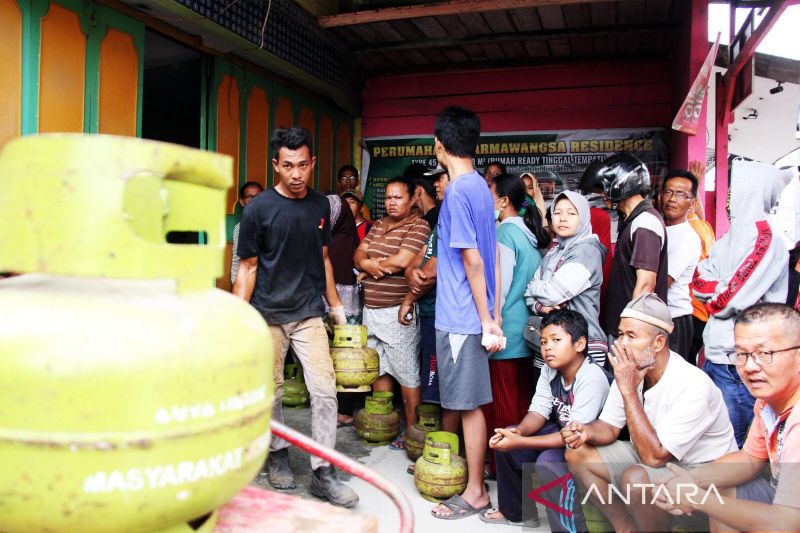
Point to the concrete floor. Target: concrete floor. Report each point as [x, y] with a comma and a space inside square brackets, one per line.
[392, 465]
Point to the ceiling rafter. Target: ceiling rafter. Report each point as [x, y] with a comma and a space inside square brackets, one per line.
[432, 10]
[540, 35]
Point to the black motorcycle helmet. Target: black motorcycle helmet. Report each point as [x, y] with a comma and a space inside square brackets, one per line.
[619, 176]
[592, 179]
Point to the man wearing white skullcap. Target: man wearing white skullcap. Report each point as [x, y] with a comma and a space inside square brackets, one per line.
[673, 411]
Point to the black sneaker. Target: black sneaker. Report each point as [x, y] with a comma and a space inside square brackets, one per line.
[278, 472]
[325, 485]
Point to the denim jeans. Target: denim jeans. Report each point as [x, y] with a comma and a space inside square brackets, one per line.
[737, 398]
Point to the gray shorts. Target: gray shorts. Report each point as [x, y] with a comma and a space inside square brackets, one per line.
[464, 384]
[621, 454]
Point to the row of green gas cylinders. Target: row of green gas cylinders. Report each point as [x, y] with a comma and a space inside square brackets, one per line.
[439, 471]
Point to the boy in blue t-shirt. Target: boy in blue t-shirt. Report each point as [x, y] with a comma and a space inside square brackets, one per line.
[466, 330]
[570, 387]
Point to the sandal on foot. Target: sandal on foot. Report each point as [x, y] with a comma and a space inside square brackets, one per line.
[399, 443]
[412, 468]
[343, 424]
[499, 521]
[460, 508]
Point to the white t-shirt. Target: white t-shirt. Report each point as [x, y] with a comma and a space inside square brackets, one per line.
[687, 411]
[683, 249]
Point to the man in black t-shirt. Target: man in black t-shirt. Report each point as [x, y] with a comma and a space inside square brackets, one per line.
[640, 258]
[284, 271]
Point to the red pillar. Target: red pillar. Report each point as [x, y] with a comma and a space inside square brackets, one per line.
[719, 219]
[691, 51]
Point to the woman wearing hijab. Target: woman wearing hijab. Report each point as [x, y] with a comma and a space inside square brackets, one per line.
[571, 273]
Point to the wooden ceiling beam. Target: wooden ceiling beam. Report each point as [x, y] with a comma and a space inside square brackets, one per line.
[539, 35]
[453, 7]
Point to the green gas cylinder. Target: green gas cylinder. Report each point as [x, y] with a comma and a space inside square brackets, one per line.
[295, 392]
[356, 366]
[378, 423]
[135, 396]
[428, 419]
[440, 472]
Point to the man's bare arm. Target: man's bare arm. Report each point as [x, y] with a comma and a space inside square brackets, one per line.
[645, 282]
[246, 278]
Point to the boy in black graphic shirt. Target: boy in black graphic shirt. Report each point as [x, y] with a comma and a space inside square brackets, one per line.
[570, 387]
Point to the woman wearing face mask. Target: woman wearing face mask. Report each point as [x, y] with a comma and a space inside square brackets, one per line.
[571, 273]
[519, 240]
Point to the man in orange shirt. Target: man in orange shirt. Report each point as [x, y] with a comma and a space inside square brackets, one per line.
[699, 311]
[731, 490]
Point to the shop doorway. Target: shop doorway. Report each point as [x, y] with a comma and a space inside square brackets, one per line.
[172, 103]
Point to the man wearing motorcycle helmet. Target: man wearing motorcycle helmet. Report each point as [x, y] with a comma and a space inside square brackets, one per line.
[640, 258]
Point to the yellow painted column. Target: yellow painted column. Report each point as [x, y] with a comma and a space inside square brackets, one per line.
[10, 70]
[257, 136]
[62, 71]
[119, 84]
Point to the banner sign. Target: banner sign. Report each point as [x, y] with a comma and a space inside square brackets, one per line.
[688, 118]
[558, 159]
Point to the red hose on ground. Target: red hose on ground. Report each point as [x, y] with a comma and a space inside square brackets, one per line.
[352, 467]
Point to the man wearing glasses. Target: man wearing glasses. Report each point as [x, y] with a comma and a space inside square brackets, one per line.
[249, 190]
[767, 357]
[683, 250]
[348, 181]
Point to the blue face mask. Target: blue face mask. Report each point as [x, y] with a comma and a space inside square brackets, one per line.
[497, 214]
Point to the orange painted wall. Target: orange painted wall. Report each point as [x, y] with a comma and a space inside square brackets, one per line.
[306, 120]
[62, 71]
[257, 136]
[325, 154]
[344, 147]
[10, 70]
[228, 132]
[119, 74]
[284, 118]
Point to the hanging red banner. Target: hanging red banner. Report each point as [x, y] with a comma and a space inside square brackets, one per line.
[688, 118]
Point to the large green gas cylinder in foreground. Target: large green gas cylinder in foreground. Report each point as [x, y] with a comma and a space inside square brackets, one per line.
[134, 396]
